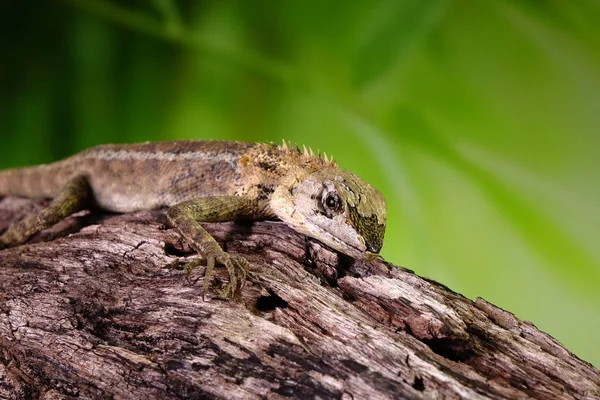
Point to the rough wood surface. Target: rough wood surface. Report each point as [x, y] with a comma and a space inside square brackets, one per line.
[103, 311]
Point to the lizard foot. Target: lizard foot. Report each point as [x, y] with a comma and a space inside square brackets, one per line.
[236, 266]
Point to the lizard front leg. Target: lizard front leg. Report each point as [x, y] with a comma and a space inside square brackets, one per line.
[72, 198]
[185, 217]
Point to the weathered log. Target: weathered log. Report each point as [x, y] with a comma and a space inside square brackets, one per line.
[98, 307]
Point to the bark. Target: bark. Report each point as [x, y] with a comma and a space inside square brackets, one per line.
[98, 307]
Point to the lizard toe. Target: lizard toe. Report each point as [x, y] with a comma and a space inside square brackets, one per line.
[210, 265]
[237, 268]
[189, 267]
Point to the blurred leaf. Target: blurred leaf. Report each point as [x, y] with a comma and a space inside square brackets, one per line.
[170, 13]
[391, 33]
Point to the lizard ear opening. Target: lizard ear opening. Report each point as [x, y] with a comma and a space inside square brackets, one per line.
[294, 190]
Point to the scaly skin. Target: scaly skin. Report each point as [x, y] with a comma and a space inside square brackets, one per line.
[208, 181]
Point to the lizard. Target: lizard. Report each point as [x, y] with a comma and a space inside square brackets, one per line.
[208, 181]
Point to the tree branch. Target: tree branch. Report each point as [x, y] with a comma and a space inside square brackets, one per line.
[105, 312]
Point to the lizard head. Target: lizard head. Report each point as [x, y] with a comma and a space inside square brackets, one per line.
[337, 208]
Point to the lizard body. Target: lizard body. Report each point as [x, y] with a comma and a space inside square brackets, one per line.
[208, 181]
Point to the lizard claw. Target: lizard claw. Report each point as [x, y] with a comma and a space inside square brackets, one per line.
[189, 267]
[238, 270]
[236, 266]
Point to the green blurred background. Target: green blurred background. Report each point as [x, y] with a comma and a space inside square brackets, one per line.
[479, 120]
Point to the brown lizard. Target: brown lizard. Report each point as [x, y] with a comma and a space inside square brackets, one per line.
[208, 181]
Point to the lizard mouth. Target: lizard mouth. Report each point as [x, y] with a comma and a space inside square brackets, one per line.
[336, 243]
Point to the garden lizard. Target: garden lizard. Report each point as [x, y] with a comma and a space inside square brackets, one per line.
[208, 181]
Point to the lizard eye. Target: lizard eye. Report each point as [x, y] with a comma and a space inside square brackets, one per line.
[331, 201]
[332, 204]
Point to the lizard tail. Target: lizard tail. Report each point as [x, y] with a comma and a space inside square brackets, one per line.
[39, 181]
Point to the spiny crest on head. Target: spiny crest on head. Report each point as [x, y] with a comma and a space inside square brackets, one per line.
[307, 152]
